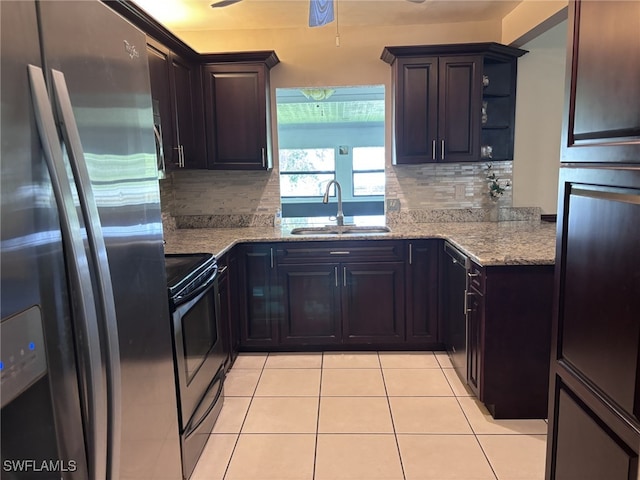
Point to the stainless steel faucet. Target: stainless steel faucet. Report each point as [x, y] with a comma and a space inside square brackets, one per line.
[325, 199]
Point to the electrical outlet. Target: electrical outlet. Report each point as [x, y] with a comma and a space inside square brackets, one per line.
[459, 192]
[393, 205]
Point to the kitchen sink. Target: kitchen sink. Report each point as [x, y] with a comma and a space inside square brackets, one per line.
[339, 230]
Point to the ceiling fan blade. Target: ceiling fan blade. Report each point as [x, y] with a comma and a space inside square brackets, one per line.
[416, 1]
[224, 3]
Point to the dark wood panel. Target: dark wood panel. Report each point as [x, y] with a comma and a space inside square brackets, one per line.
[422, 292]
[311, 304]
[373, 302]
[185, 84]
[416, 129]
[259, 297]
[459, 108]
[236, 116]
[585, 447]
[516, 340]
[598, 323]
[160, 78]
[595, 334]
[602, 123]
[334, 251]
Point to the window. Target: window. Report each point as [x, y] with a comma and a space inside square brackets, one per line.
[305, 171]
[331, 133]
[368, 171]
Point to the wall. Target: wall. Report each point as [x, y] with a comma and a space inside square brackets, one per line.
[530, 19]
[539, 113]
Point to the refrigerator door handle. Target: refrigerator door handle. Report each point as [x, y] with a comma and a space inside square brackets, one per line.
[98, 253]
[87, 333]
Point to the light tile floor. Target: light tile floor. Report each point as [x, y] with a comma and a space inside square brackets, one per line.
[362, 416]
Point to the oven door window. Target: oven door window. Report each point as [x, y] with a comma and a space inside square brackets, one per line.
[199, 333]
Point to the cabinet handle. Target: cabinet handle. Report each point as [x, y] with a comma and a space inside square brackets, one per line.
[264, 157]
[180, 150]
[442, 150]
[344, 276]
[340, 252]
[410, 253]
[467, 310]
[335, 271]
[433, 149]
[223, 269]
[466, 303]
[271, 252]
[473, 275]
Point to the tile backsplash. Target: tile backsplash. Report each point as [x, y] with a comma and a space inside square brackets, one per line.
[256, 195]
[443, 186]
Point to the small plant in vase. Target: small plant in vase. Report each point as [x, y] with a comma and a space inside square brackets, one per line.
[496, 186]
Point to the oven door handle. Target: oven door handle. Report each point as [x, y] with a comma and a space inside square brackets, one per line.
[193, 423]
[181, 299]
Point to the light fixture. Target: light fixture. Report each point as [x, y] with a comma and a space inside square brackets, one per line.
[224, 3]
[317, 94]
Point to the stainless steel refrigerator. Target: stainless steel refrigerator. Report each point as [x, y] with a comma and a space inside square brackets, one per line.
[88, 389]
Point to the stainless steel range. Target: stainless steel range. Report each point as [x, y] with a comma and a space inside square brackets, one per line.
[198, 350]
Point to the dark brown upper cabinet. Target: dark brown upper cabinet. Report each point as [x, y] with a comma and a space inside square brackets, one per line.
[237, 110]
[453, 103]
[602, 92]
[175, 87]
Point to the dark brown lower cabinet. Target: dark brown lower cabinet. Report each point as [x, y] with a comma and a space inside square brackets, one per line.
[372, 296]
[311, 310]
[475, 327]
[594, 420]
[342, 303]
[259, 296]
[509, 312]
[228, 305]
[421, 286]
[341, 293]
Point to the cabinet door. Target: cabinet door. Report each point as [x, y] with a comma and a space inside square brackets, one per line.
[602, 120]
[422, 291]
[259, 296]
[236, 116]
[184, 78]
[596, 333]
[475, 313]
[160, 78]
[416, 110]
[311, 304]
[460, 80]
[373, 302]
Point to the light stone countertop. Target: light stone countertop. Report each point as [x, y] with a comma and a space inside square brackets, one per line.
[486, 243]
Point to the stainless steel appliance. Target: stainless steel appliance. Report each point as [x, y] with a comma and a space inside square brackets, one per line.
[198, 348]
[455, 278]
[88, 388]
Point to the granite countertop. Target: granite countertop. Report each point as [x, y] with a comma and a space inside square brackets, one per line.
[487, 243]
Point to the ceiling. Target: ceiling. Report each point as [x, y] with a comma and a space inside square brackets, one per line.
[190, 15]
[342, 105]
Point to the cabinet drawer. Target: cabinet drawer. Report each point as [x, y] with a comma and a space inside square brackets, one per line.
[378, 250]
[476, 277]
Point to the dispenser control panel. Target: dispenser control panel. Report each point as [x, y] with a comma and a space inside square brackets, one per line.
[22, 353]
